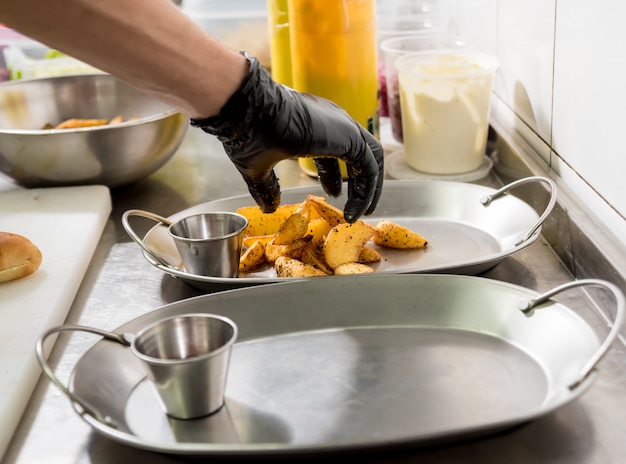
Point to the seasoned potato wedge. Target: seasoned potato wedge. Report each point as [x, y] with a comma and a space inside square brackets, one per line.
[318, 230]
[312, 238]
[392, 235]
[345, 242]
[249, 241]
[260, 223]
[289, 267]
[291, 250]
[352, 268]
[312, 255]
[369, 255]
[332, 214]
[253, 257]
[295, 226]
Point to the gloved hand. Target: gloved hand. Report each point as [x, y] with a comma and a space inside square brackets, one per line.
[264, 122]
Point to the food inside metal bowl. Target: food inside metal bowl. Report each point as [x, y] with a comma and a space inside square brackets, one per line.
[110, 154]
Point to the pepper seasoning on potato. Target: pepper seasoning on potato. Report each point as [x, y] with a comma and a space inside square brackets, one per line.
[312, 238]
[392, 235]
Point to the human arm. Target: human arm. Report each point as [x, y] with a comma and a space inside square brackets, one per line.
[153, 46]
[149, 44]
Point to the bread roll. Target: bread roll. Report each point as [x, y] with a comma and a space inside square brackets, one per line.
[19, 257]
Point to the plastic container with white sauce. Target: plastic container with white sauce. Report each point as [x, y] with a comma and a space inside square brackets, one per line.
[445, 98]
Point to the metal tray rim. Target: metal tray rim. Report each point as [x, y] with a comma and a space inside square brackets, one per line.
[467, 266]
[287, 449]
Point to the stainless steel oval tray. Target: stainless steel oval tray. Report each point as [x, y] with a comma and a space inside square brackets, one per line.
[355, 362]
[470, 228]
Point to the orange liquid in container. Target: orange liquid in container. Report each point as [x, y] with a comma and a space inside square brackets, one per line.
[334, 55]
[280, 48]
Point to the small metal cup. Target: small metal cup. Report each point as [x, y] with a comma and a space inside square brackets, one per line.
[186, 358]
[209, 244]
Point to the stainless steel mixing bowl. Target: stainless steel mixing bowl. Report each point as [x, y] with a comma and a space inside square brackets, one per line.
[112, 155]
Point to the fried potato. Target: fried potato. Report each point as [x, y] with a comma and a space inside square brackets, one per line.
[291, 250]
[289, 267]
[75, 123]
[318, 230]
[253, 257]
[313, 256]
[295, 226]
[117, 119]
[260, 223]
[392, 235]
[249, 241]
[312, 238]
[333, 215]
[352, 268]
[345, 242]
[369, 255]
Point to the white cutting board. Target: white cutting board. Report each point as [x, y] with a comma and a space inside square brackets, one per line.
[65, 223]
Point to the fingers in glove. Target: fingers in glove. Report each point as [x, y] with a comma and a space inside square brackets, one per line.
[365, 179]
[379, 155]
[360, 195]
[329, 174]
[266, 192]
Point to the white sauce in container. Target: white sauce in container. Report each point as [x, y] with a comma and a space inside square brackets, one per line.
[445, 101]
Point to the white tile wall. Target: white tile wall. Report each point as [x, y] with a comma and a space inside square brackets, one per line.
[525, 46]
[589, 124]
[562, 86]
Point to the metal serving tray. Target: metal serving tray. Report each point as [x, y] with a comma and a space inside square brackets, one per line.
[470, 228]
[359, 362]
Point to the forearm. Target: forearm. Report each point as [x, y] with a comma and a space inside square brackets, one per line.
[148, 43]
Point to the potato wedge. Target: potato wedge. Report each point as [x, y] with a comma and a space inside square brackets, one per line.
[369, 255]
[75, 123]
[332, 214]
[313, 256]
[318, 230]
[295, 226]
[260, 223]
[352, 268]
[392, 235]
[253, 257]
[345, 242]
[313, 238]
[289, 267]
[249, 241]
[291, 250]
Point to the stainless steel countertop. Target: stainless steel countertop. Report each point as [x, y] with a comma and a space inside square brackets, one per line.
[120, 285]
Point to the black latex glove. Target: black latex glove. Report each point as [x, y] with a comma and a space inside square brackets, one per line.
[264, 122]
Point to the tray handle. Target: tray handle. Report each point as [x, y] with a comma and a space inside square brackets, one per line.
[529, 306]
[131, 232]
[485, 200]
[123, 339]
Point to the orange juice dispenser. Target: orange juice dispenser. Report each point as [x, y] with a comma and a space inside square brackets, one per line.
[334, 55]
